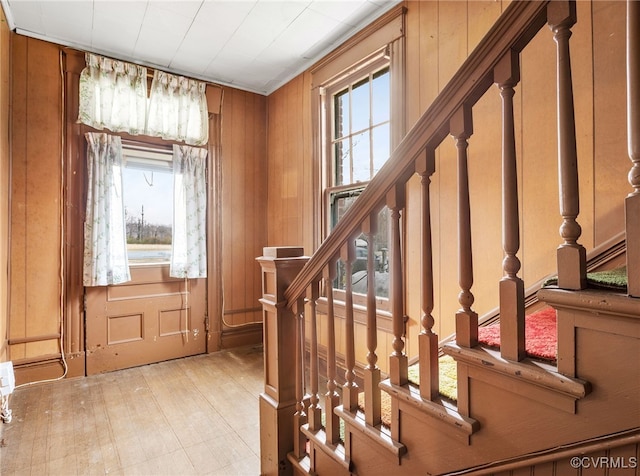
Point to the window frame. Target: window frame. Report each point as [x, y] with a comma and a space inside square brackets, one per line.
[383, 39]
[370, 65]
[366, 68]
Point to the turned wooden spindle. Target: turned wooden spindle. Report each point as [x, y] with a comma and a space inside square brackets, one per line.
[572, 261]
[512, 337]
[350, 387]
[314, 412]
[332, 398]
[300, 416]
[398, 363]
[371, 371]
[461, 128]
[427, 340]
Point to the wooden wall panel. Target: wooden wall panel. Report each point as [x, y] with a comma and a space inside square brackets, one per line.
[611, 159]
[447, 33]
[5, 36]
[582, 65]
[244, 170]
[36, 216]
[290, 175]
[538, 153]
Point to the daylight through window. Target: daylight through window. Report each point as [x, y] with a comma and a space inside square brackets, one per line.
[360, 138]
[148, 203]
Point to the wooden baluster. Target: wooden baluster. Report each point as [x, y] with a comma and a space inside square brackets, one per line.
[427, 340]
[350, 388]
[332, 398]
[371, 371]
[314, 412]
[300, 416]
[398, 363]
[632, 202]
[461, 128]
[512, 343]
[572, 267]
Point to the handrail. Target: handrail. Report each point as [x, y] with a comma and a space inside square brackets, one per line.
[517, 25]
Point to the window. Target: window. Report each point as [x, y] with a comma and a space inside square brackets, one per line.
[148, 203]
[359, 112]
[358, 135]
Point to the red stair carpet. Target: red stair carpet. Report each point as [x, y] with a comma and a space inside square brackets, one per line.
[540, 334]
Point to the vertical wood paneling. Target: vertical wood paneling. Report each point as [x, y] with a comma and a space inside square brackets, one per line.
[582, 65]
[422, 87]
[244, 168]
[4, 181]
[311, 225]
[609, 93]
[485, 167]
[482, 14]
[486, 202]
[259, 172]
[36, 196]
[438, 45]
[17, 251]
[540, 210]
[290, 195]
[413, 57]
[452, 39]
[275, 153]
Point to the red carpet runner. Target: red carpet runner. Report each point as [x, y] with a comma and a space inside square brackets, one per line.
[540, 334]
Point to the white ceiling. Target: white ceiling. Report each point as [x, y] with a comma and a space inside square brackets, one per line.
[254, 45]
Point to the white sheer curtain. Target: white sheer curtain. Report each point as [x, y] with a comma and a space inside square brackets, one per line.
[105, 244]
[189, 243]
[113, 95]
[178, 109]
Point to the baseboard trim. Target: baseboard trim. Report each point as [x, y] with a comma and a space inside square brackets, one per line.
[250, 334]
[48, 367]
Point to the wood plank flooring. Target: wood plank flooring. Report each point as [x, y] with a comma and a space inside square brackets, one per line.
[192, 416]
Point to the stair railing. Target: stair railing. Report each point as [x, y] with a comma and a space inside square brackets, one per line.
[494, 61]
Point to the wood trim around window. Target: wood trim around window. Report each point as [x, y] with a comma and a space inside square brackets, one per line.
[383, 31]
[385, 36]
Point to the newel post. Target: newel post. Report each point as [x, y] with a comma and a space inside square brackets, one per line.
[280, 265]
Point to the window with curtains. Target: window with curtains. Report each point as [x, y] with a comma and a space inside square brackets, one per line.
[144, 204]
[118, 230]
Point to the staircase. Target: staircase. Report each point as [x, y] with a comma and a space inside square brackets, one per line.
[512, 414]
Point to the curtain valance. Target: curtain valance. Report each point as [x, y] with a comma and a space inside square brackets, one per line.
[113, 95]
[178, 109]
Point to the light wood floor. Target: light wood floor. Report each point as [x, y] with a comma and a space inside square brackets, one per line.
[192, 416]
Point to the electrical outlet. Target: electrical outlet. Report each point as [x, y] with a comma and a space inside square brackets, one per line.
[7, 379]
